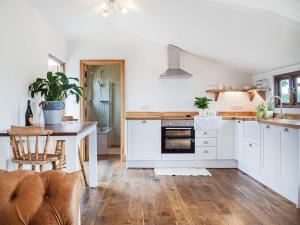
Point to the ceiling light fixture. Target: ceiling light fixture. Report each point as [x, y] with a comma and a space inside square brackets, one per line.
[113, 6]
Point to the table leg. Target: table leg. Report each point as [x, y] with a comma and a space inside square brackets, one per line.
[93, 158]
[72, 161]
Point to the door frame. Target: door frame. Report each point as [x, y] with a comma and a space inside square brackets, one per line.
[121, 62]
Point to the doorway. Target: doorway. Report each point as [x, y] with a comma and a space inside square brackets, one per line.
[104, 101]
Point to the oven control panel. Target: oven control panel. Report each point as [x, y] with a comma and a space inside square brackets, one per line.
[177, 123]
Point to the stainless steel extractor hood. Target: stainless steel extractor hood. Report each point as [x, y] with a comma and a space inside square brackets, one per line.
[174, 71]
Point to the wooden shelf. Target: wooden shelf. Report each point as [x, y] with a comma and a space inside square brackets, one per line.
[251, 92]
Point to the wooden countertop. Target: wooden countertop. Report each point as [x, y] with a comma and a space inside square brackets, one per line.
[160, 115]
[245, 116]
[64, 129]
[281, 122]
[249, 118]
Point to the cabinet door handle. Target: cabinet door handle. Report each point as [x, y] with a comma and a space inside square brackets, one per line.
[268, 127]
[205, 142]
[205, 133]
[286, 130]
[205, 151]
[144, 121]
[250, 145]
[239, 121]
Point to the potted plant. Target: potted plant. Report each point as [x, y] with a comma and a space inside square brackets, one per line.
[260, 113]
[54, 89]
[270, 111]
[202, 104]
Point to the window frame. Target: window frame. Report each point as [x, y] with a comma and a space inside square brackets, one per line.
[292, 77]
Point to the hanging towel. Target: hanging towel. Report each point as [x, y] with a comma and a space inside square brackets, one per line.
[208, 122]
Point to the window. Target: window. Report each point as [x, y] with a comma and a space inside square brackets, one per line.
[287, 86]
[297, 86]
[55, 65]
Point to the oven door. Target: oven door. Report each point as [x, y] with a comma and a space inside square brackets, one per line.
[178, 140]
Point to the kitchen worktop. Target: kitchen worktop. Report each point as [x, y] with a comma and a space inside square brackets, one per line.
[281, 122]
[160, 115]
[186, 115]
[245, 116]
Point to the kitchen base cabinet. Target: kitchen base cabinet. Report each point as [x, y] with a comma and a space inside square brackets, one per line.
[238, 140]
[213, 148]
[252, 154]
[269, 151]
[288, 157]
[143, 140]
[225, 141]
[205, 153]
[276, 164]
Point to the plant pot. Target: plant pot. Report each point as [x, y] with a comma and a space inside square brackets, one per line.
[269, 114]
[202, 112]
[52, 111]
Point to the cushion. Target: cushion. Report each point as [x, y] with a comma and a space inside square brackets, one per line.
[32, 198]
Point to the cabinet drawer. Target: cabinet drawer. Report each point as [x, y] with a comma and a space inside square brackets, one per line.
[252, 129]
[204, 133]
[203, 142]
[206, 153]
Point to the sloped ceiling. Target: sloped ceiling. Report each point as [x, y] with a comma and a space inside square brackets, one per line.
[251, 35]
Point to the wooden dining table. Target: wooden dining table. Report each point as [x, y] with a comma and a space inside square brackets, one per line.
[72, 133]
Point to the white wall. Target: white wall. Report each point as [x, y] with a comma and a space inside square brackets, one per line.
[270, 77]
[145, 61]
[25, 41]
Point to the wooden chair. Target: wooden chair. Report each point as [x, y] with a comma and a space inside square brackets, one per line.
[71, 119]
[68, 119]
[26, 155]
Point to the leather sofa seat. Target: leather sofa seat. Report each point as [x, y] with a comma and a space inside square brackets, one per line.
[31, 198]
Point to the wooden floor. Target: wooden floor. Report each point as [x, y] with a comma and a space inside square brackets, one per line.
[137, 197]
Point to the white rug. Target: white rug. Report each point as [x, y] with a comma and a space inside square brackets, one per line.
[181, 172]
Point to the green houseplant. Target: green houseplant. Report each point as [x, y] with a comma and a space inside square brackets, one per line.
[54, 89]
[260, 113]
[202, 103]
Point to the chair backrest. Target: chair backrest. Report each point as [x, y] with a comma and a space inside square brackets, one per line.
[68, 119]
[20, 135]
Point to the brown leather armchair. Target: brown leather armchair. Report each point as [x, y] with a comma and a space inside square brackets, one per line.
[31, 198]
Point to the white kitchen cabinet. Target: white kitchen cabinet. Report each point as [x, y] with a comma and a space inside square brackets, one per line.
[251, 153]
[288, 156]
[206, 153]
[144, 140]
[252, 129]
[269, 151]
[205, 133]
[225, 141]
[239, 135]
[206, 142]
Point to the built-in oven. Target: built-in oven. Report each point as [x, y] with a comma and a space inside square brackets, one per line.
[178, 136]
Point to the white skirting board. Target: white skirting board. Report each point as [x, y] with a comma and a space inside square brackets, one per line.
[182, 164]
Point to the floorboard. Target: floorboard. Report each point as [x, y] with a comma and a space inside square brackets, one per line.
[138, 197]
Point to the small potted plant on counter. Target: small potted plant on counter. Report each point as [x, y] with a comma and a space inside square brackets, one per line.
[270, 111]
[202, 103]
[260, 113]
[54, 89]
